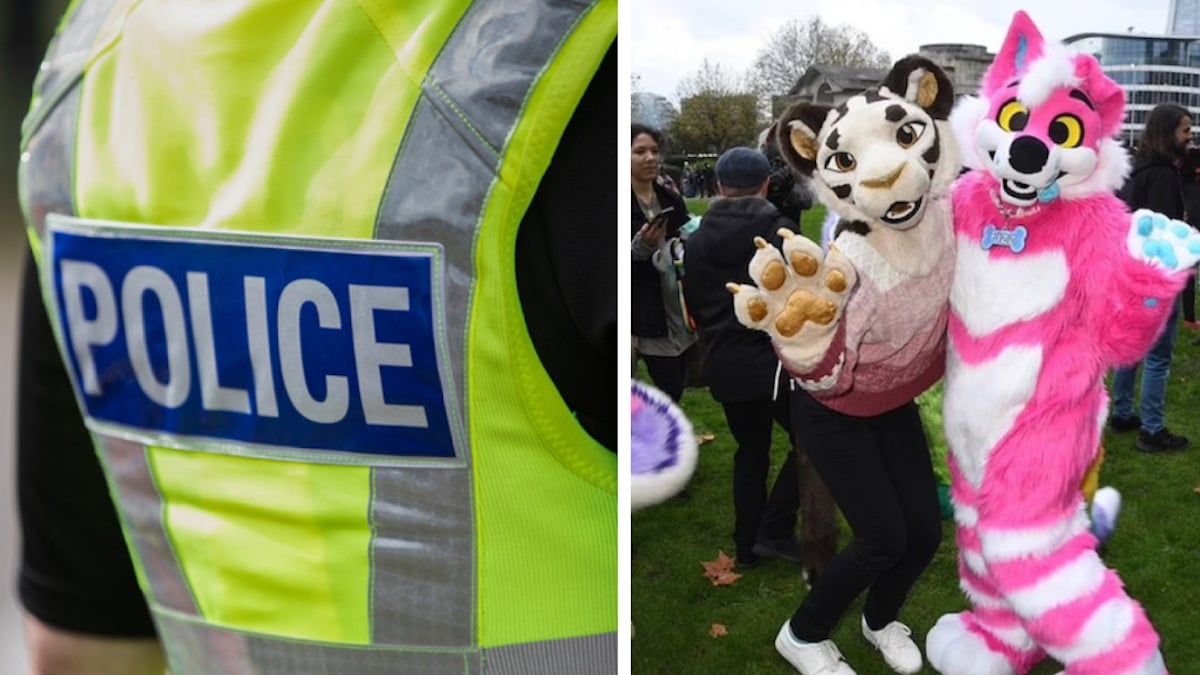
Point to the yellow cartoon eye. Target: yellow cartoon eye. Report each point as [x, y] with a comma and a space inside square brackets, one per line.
[841, 162]
[1067, 131]
[1013, 116]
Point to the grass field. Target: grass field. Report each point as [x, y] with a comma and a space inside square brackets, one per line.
[1156, 550]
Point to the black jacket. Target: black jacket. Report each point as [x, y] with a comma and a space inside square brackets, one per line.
[1155, 185]
[739, 363]
[647, 316]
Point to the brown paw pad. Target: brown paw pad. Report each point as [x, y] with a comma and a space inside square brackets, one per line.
[757, 309]
[804, 264]
[835, 281]
[804, 306]
[774, 275]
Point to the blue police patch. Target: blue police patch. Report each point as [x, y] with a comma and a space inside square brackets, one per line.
[288, 342]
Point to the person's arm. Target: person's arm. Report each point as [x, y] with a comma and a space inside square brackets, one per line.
[1162, 192]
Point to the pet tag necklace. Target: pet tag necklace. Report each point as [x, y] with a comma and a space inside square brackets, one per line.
[1013, 239]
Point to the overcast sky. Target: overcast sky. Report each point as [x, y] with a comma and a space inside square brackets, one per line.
[669, 39]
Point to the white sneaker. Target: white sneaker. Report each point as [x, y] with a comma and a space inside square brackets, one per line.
[896, 645]
[811, 658]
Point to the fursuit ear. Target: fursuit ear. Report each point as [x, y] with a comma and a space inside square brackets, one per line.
[796, 135]
[1105, 95]
[1022, 45]
[918, 80]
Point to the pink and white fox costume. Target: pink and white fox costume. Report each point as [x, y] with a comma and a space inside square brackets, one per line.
[1055, 282]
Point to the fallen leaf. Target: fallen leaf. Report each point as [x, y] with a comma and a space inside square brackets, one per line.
[718, 630]
[705, 437]
[1196, 489]
[720, 571]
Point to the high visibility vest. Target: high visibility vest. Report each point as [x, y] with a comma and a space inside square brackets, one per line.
[276, 240]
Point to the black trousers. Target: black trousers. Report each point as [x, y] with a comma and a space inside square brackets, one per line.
[880, 474]
[756, 512]
[668, 373]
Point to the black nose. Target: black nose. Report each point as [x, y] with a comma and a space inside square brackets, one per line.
[1028, 155]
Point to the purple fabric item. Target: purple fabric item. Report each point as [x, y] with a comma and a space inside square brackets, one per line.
[655, 432]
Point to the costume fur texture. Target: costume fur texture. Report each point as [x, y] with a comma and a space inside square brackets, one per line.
[1054, 285]
[662, 449]
[862, 325]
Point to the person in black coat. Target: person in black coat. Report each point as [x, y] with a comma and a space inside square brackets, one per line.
[740, 365]
[1155, 184]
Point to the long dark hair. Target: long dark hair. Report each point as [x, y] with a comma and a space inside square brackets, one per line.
[638, 129]
[1158, 138]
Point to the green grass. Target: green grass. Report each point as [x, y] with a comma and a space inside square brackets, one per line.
[1155, 550]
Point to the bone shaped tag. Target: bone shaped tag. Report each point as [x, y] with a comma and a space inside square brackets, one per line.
[1013, 239]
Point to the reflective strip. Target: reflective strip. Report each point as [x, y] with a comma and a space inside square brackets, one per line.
[591, 655]
[423, 566]
[141, 509]
[48, 131]
[473, 96]
[200, 649]
[495, 55]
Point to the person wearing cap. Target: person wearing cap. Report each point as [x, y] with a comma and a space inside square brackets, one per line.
[740, 366]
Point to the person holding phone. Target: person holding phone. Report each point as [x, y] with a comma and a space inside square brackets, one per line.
[661, 334]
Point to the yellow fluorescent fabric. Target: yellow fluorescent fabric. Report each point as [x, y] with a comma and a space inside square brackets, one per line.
[279, 95]
[522, 556]
[275, 547]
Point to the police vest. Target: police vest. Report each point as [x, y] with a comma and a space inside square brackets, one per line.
[290, 313]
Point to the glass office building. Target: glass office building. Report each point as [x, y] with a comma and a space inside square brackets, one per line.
[1183, 17]
[1153, 69]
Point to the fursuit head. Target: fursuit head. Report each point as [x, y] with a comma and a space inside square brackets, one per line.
[883, 162]
[1055, 282]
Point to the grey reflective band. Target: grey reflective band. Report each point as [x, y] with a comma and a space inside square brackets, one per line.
[202, 649]
[141, 513]
[48, 132]
[447, 162]
[423, 557]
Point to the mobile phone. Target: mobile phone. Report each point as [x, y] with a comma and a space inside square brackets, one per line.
[661, 216]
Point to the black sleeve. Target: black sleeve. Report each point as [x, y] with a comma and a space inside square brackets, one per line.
[1162, 192]
[566, 261]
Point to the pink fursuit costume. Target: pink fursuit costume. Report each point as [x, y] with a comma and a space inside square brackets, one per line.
[1055, 283]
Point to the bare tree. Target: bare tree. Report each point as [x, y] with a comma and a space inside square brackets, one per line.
[801, 43]
[716, 111]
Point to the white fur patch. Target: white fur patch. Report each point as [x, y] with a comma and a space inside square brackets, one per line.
[1112, 167]
[1002, 545]
[1104, 629]
[1074, 580]
[869, 263]
[983, 401]
[1013, 636]
[1052, 70]
[974, 562]
[991, 294]
[978, 597]
[964, 117]
[966, 516]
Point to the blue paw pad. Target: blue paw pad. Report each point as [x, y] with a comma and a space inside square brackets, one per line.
[1193, 246]
[1150, 302]
[1144, 225]
[1180, 230]
[1160, 221]
[1161, 250]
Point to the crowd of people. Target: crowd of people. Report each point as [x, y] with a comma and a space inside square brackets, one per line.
[756, 195]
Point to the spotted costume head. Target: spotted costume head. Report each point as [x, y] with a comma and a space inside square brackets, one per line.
[876, 159]
[1043, 123]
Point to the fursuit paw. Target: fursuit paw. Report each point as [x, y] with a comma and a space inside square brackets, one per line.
[954, 649]
[1156, 239]
[798, 298]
